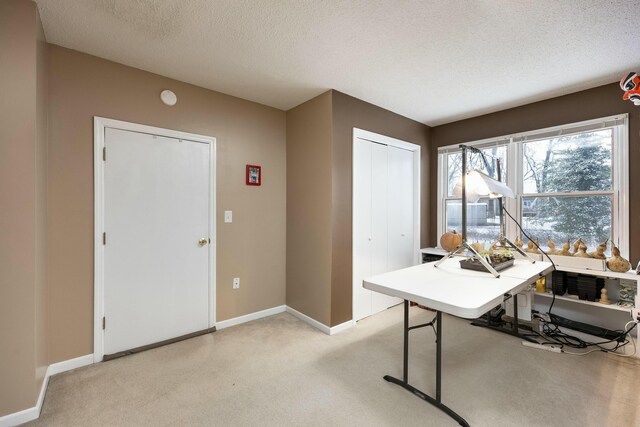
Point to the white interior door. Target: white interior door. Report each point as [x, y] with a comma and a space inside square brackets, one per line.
[379, 222]
[401, 208]
[361, 227]
[156, 209]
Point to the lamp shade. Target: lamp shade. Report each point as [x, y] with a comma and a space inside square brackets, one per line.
[480, 184]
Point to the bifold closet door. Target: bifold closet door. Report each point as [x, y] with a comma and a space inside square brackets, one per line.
[380, 222]
[362, 248]
[156, 259]
[401, 209]
[382, 219]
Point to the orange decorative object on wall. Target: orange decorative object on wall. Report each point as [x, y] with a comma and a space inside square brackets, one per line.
[630, 84]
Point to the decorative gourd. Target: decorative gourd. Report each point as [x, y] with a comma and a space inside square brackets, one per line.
[478, 246]
[450, 240]
[565, 249]
[599, 252]
[576, 245]
[531, 248]
[518, 242]
[552, 247]
[582, 251]
[616, 262]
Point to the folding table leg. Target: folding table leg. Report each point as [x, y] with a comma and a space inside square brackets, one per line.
[405, 367]
[437, 402]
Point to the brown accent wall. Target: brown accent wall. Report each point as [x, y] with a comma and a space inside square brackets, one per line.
[23, 357]
[589, 104]
[349, 112]
[319, 246]
[309, 208]
[252, 247]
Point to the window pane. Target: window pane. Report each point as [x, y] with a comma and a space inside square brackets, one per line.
[475, 161]
[483, 219]
[568, 218]
[580, 162]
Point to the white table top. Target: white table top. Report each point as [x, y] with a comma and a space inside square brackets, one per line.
[450, 289]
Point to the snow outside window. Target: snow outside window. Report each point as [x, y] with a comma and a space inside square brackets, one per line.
[571, 182]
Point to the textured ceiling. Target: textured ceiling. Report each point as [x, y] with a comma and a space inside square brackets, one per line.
[433, 61]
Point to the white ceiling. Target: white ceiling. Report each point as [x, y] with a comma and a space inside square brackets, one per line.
[432, 61]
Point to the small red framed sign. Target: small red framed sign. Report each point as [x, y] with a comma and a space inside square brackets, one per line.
[254, 175]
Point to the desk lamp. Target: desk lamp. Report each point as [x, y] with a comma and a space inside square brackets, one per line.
[472, 185]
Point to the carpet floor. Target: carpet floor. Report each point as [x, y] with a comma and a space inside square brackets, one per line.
[278, 371]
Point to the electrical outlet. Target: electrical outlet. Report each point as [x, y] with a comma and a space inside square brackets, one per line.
[236, 283]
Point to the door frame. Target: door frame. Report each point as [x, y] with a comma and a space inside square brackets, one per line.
[387, 140]
[99, 126]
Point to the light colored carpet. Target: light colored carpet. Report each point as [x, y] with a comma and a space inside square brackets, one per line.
[278, 371]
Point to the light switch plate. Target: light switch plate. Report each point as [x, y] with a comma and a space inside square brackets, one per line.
[228, 216]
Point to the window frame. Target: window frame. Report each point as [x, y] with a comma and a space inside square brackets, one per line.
[515, 167]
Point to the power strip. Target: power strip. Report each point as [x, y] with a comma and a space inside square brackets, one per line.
[585, 328]
[551, 348]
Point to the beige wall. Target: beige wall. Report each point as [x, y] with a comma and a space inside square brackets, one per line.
[252, 247]
[349, 112]
[23, 356]
[309, 208]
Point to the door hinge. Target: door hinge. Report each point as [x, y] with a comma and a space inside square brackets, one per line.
[104, 322]
[104, 238]
[104, 154]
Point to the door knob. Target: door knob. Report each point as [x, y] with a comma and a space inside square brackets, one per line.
[202, 242]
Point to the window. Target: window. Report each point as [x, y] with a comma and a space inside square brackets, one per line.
[483, 216]
[571, 182]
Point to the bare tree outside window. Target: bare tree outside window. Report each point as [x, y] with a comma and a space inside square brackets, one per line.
[483, 217]
[476, 161]
[566, 189]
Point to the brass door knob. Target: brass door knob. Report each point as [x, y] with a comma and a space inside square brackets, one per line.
[202, 242]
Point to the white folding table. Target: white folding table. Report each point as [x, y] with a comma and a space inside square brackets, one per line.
[450, 289]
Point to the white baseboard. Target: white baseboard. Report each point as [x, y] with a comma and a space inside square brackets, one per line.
[31, 414]
[313, 322]
[341, 327]
[249, 317]
[321, 326]
[67, 365]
